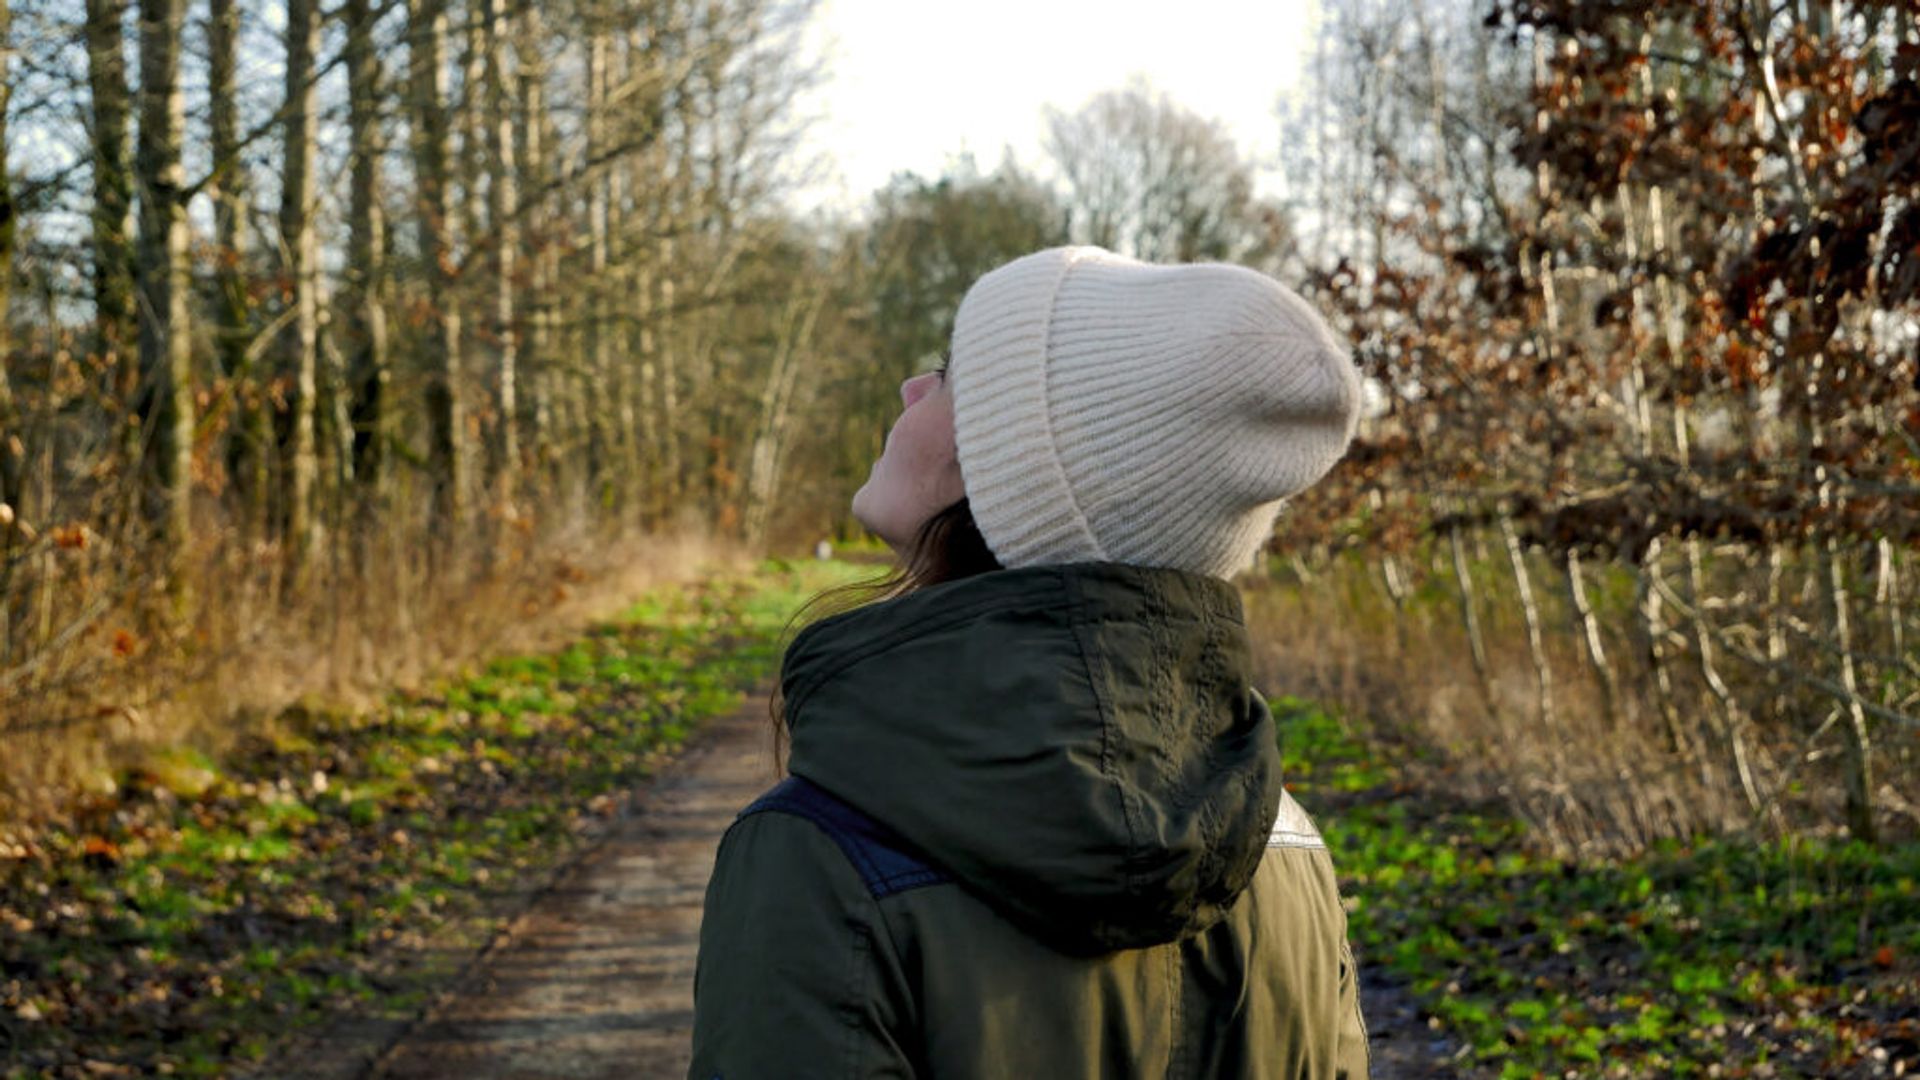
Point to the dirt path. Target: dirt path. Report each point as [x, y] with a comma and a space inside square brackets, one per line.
[596, 979]
[1402, 1045]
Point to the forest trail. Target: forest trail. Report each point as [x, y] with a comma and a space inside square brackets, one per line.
[596, 978]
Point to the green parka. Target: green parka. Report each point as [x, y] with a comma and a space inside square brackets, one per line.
[1035, 828]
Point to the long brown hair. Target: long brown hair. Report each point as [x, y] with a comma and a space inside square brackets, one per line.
[948, 547]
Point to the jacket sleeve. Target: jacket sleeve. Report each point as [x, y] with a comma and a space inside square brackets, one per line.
[796, 976]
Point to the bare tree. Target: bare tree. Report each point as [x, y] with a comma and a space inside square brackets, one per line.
[249, 447]
[299, 245]
[113, 299]
[598, 361]
[1149, 178]
[166, 349]
[503, 193]
[369, 373]
[542, 250]
[426, 31]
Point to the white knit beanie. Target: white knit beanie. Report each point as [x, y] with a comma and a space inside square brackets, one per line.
[1107, 409]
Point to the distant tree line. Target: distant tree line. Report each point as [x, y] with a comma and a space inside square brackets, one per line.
[324, 313]
[302, 297]
[387, 301]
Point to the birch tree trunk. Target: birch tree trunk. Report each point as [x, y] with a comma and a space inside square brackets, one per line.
[302, 355]
[166, 358]
[1854, 733]
[627, 254]
[669, 484]
[1469, 614]
[599, 361]
[645, 311]
[470, 140]
[1589, 632]
[1536, 642]
[776, 409]
[672, 329]
[503, 198]
[530, 60]
[1886, 597]
[1776, 634]
[1653, 626]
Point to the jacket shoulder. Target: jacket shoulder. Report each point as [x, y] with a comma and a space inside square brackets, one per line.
[796, 969]
[886, 865]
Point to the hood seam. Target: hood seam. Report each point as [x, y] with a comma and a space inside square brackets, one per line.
[805, 688]
[1213, 818]
[1077, 621]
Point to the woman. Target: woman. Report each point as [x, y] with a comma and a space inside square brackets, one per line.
[1035, 825]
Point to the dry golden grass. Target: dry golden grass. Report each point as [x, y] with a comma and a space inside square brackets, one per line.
[140, 674]
[1587, 783]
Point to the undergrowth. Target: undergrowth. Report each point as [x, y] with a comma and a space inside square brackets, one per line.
[209, 907]
[1717, 957]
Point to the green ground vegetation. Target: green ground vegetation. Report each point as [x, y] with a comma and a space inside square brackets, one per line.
[185, 924]
[209, 907]
[1724, 957]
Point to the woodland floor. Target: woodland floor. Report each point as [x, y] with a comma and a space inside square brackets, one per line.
[595, 979]
[500, 877]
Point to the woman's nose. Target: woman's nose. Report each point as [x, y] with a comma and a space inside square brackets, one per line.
[916, 388]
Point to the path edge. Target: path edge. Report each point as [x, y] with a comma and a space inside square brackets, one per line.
[357, 1045]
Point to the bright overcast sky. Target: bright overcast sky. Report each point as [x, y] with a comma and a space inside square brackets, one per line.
[911, 83]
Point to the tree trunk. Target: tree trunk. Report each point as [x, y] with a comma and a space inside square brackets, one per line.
[776, 410]
[1589, 629]
[112, 183]
[1854, 734]
[1776, 631]
[626, 254]
[1729, 719]
[1536, 642]
[503, 210]
[600, 433]
[1469, 615]
[530, 57]
[667, 483]
[1886, 597]
[471, 135]
[646, 308]
[298, 241]
[1653, 626]
[166, 358]
[368, 367]
[1649, 578]
[427, 27]
[248, 455]
[10, 462]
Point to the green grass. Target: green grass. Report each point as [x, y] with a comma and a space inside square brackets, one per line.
[185, 925]
[1793, 958]
[213, 906]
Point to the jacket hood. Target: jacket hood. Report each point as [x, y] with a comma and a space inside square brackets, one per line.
[1078, 744]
